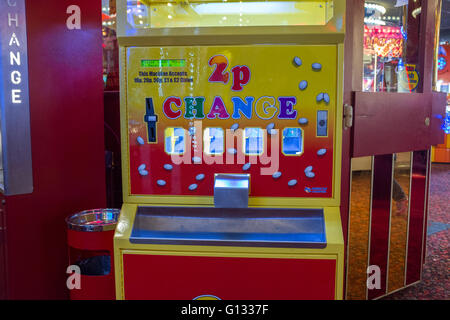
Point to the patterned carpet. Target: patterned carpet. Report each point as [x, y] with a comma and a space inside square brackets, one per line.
[435, 283]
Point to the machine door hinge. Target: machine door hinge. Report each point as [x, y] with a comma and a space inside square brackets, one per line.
[348, 116]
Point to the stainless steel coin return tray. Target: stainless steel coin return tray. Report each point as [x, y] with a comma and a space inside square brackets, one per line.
[254, 227]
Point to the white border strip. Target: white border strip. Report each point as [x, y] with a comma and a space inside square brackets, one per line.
[370, 221]
[390, 225]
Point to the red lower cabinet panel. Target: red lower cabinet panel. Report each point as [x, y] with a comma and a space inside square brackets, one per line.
[95, 288]
[166, 277]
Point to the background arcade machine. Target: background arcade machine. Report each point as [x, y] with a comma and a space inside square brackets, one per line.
[231, 148]
[441, 152]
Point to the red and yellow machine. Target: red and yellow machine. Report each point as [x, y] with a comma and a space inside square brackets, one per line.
[231, 144]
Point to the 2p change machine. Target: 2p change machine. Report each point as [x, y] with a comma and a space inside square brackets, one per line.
[231, 115]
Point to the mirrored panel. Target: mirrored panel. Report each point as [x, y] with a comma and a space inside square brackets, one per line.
[399, 220]
[358, 233]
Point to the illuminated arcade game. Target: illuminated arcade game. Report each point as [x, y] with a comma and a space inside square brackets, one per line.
[231, 147]
[441, 152]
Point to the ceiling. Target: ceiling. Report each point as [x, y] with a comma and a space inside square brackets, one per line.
[445, 15]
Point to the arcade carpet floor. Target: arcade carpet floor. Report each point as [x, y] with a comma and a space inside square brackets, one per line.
[435, 283]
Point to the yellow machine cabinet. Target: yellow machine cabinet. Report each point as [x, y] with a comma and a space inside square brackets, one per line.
[231, 145]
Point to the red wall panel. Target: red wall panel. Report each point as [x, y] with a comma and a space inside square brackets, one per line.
[2, 250]
[66, 108]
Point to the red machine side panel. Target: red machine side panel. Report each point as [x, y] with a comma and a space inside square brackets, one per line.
[187, 277]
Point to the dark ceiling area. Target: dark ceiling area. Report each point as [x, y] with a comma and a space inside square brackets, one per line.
[445, 15]
[445, 21]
